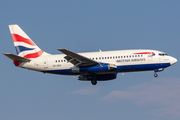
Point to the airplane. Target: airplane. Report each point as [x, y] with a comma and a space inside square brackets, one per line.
[90, 66]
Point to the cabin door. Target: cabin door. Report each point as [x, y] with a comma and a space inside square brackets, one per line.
[45, 62]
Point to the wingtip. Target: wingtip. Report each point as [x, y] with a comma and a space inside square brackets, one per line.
[6, 53]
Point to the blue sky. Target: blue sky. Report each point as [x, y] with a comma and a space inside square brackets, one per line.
[86, 26]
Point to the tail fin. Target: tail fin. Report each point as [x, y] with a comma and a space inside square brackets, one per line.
[25, 47]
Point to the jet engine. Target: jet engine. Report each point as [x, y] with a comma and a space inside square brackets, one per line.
[95, 68]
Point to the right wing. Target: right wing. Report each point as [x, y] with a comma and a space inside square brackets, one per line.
[78, 60]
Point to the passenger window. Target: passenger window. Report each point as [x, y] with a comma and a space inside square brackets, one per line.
[127, 56]
[102, 57]
[138, 55]
[135, 55]
[61, 60]
[124, 56]
[118, 56]
[58, 60]
[110, 57]
[130, 56]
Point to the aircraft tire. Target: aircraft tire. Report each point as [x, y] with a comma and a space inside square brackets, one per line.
[94, 82]
[155, 75]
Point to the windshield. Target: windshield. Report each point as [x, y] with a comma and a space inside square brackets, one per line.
[163, 54]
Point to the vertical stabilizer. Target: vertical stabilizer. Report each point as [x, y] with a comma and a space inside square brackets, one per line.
[25, 47]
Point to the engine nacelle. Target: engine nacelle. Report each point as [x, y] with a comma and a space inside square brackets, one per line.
[95, 68]
[100, 77]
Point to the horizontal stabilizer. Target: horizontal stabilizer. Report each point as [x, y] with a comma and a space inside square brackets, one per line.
[16, 58]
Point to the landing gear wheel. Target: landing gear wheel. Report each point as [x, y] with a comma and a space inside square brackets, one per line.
[94, 82]
[155, 75]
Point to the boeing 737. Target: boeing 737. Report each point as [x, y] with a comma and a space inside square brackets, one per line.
[90, 66]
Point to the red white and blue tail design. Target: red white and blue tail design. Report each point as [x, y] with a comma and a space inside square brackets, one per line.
[25, 47]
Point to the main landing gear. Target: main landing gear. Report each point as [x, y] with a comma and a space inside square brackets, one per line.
[94, 82]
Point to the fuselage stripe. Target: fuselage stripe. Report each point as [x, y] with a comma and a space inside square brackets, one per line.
[145, 53]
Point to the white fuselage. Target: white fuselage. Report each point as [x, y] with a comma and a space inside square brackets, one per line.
[125, 60]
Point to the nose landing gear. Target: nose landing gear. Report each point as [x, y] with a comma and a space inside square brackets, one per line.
[157, 70]
[155, 74]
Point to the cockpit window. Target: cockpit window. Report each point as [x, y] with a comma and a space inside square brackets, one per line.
[163, 54]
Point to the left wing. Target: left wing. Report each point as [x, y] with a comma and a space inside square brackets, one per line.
[77, 59]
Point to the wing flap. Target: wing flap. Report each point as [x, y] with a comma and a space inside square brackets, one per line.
[16, 58]
[76, 59]
[72, 60]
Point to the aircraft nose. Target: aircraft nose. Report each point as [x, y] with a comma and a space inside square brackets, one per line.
[173, 60]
